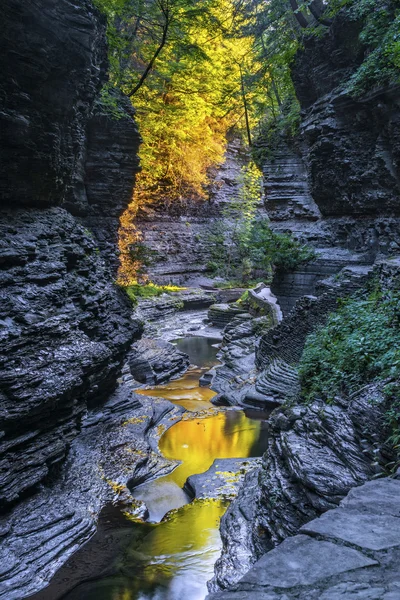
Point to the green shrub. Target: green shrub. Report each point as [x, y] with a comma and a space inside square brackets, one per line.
[271, 250]
[149, 290]
[360, 343]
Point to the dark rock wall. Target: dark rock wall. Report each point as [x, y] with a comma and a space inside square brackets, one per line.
[110, 166]
[338, 184]
[336, 187]
[53, 63]
[353, 151]
[350, 146]
[64, 167]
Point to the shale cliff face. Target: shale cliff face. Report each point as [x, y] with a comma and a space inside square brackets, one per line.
[179, 234]
[337, 187]
[65, 165]
[353, 146]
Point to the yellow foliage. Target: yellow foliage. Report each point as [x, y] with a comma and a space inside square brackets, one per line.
[188, 103]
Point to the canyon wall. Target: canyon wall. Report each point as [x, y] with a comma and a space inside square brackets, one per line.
[180, 234]
[337, 187]
[67, 171]
[337, 184]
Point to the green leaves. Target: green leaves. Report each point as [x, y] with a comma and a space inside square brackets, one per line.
[271, 250]
[245, 248]
[358, 344]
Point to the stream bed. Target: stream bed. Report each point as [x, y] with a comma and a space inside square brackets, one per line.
[170, 557]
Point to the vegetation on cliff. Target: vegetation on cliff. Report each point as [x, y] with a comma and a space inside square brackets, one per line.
[181, 62]
[280, 29]
[243, 247]
[196, 69]
[359, 344]
[380, 40]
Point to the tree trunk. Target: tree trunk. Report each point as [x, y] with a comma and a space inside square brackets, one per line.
[246, 114]
[276, 92]
[317, 10]
[301, 18]
[163, 41]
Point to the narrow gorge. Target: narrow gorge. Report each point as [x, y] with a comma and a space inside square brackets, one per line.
[199, 300]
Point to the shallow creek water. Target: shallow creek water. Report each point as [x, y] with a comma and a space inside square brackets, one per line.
[174, 558]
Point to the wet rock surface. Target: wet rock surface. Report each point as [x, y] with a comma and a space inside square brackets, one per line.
[152, 362]
[64, 330]
[259, 359]
[167, 318]
[222, 314]
[222, 480]
[64, 325]
[316, 453]
[349, 552]
[115, 451]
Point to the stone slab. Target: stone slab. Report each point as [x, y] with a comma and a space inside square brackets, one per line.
[373, 532]
[381, 497]
[301, 560]
[353, 591]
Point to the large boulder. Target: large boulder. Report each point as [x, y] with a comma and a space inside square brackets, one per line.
[154, 361]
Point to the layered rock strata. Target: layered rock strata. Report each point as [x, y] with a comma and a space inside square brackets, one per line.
[337, 188]
[64, 325]
[337, 185]
[316, 453]
[259, 359]
[115, 451]
[180, 234]
[64, 330]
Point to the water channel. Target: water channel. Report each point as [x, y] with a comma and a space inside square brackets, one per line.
[171, 556]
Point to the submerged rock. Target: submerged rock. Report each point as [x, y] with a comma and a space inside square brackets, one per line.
[222, 480]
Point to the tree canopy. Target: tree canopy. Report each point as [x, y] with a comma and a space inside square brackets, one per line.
[196, 69]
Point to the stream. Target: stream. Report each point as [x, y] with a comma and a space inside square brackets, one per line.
[172, 555]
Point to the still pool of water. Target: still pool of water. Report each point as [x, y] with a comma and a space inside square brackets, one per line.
[174, 558]
[186, 391]
[169, 561]
[197, 443]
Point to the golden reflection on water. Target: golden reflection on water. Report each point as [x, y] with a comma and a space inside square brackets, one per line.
[198, 442]
[184, 391]
[173, 559]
